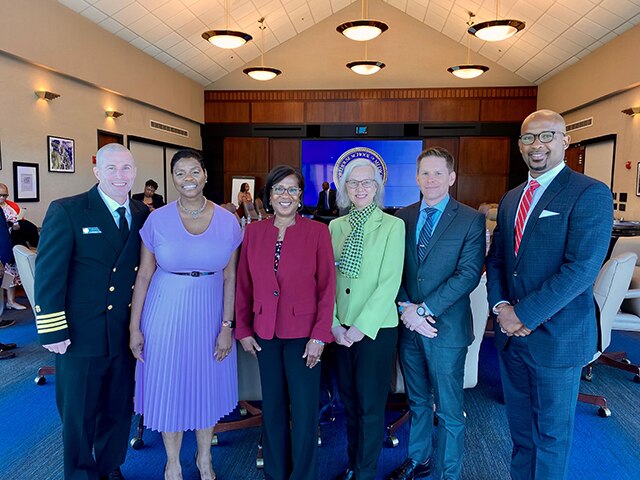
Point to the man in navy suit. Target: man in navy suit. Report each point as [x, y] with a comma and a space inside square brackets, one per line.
[444, 256]
[327, 201]
[552, 237]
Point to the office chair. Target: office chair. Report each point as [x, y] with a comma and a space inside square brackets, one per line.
[480, 314]
[609, 291]
[26, 265]
[628, 318]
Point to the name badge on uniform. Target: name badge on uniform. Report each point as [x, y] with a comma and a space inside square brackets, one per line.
[90, 230]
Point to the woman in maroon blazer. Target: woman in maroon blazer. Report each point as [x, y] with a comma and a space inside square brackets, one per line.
[284, 308]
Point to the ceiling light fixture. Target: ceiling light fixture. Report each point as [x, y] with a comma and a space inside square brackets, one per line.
[468, 70]
[365, 67]
[46, 95]
[226, 38]
[496, 30]
[262, 73]
[113, 113]
[362, 30]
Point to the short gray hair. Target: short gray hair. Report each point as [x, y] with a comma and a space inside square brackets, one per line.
[343, 199]
[107, 149]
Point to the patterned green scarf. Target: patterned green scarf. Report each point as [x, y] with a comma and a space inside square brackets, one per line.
[353, 246]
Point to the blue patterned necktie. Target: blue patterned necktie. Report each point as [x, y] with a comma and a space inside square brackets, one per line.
[426, 232]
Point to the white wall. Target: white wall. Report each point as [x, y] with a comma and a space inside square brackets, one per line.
[25, 122]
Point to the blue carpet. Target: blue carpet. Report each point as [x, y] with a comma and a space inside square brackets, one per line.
[603, 448]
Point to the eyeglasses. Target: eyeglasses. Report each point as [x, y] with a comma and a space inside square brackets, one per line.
[279, 190]
[366, 184]
[5, 195]
[544, 137]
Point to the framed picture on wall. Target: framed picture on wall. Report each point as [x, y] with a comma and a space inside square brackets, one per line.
[62, 154]
[26, 183]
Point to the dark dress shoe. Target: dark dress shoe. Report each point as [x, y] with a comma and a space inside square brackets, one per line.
[7, 355]
[410, 470]
[115, 475]
[7, 346]
[348, 475]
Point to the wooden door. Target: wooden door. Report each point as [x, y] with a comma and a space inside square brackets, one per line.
[574, 158]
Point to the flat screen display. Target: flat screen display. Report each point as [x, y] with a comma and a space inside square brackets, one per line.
[397, 157]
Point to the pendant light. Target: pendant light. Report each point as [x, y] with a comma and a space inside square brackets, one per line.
[365, 67]
[262, 73]
[496, 30]
[362, 30]
[226, 38]
[468, 70]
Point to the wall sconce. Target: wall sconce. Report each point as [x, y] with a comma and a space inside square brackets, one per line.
[632, 111]
[46, 95]
[113, 113]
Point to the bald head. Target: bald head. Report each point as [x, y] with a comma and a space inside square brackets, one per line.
[547, 116]
[116, 171]
[111, 149]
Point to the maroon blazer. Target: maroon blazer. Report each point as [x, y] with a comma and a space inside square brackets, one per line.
[298, 302]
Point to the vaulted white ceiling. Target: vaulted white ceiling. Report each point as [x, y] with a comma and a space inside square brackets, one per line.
[558, 33]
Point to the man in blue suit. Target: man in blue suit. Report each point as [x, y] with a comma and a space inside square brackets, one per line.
[552, 237]
[444, 255]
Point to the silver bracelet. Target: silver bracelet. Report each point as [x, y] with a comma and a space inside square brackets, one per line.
[319, 342]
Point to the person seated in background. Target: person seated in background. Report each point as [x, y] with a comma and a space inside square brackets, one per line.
[5, 257]
[259, 204]
[327, 201]
[11, 214]
[284, 307]
[149, 197]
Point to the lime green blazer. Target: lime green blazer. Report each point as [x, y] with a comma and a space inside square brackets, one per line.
[369, 301]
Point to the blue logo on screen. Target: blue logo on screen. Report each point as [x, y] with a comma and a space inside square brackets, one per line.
[356, 154]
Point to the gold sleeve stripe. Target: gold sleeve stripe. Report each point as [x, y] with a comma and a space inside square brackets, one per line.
[50, 330]
[49, 315]
[50, 320]
[53, 324]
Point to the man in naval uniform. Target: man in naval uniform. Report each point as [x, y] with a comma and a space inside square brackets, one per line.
[85, 271]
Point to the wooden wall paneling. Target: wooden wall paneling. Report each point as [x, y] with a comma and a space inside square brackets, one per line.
[244, 156]
[484, 155]
[227, 112]
[450, 110]
[574, 156]
[506, 109]
[277, 112]
[382, 111]
[476, 189]
[333, 112]
[284, 152]
[451, 145]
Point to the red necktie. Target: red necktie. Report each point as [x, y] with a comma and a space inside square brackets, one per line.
[523, 211]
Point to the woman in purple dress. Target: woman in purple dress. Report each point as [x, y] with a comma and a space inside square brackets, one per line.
[182, 317]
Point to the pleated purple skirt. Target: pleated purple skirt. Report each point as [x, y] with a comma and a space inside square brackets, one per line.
[181, 386]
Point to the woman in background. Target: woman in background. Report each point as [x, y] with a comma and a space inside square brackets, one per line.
[149, 197]
[182, 317]
[284, 306]
[369, 247]
[12, 215]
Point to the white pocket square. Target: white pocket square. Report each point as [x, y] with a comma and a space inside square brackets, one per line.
[548, 213]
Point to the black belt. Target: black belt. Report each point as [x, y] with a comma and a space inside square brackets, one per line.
[193, 274]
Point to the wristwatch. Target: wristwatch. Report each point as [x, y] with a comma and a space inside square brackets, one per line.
[229, 323]
[422, 311]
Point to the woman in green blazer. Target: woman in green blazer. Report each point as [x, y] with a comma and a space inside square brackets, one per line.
[369, 249]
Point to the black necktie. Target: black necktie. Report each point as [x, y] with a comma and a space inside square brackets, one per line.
[123, 225]
[425, 233]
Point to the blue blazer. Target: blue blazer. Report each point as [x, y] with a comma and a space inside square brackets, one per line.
[550, 283]
[449, 272]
